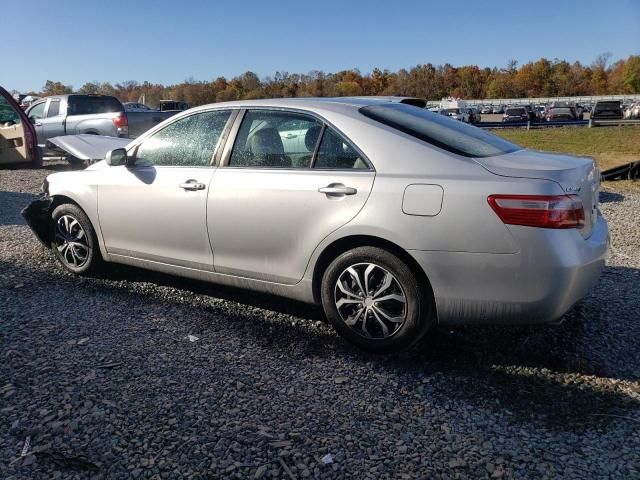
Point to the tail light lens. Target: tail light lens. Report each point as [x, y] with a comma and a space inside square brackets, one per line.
[544, 211]
[122, 123]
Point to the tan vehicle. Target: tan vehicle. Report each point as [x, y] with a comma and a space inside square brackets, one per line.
[17, 135]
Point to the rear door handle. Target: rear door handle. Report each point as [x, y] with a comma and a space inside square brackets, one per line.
[192, 185]
[337, 189]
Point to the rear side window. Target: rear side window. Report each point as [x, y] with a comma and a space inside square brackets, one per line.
[440, 131]
[54, 108]
[87, 105]
[275, 139]
[336, 153]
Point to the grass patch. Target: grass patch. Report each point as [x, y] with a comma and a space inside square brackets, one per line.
[610, 146]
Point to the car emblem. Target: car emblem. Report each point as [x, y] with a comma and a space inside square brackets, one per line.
[572, 188]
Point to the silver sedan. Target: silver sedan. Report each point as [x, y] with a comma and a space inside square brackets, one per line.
[393, 218]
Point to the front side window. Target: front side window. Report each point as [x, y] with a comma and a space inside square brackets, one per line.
[37, 111]
[440, 131]
[275, 139]
[190, 141]
[336, 153]
[54, 108]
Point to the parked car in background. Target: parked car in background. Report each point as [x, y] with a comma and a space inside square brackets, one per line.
[93, 114]
[474, 115]
[560, 114]
[498, 109]
[486, 109]
[607, 110]
[515, 114]
[633, 112]
[519, 238]
[456, 109]
[17, 135]
[461, 114]
[172, 106]
[530, 112]
[540, 112]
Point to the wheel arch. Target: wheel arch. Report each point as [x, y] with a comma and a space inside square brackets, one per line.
[344, 244]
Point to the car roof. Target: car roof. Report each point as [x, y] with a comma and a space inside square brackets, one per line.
[313, 102]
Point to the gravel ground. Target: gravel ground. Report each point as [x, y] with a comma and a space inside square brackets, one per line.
[100, 376]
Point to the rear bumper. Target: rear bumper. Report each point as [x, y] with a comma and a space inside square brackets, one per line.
[538, 284]
[37, 215]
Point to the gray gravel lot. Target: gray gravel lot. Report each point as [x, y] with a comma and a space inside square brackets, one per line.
[99, 374]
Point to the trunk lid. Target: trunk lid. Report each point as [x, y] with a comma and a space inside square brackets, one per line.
[576, 175]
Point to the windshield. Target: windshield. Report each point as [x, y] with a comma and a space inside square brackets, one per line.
[439, 130]
[515, 111]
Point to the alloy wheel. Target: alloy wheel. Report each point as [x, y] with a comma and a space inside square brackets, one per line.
[71, 241]
[370, 300]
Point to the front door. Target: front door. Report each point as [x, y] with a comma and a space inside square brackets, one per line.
[155, 209]
[276, 199]
[36, 114]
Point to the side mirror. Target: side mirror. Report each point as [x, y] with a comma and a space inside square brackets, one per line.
[116, 158]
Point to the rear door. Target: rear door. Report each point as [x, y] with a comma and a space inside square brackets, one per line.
[275, 198]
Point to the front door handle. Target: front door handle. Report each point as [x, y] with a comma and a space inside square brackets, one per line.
[38, 124]
[337, 189]
[192, 185]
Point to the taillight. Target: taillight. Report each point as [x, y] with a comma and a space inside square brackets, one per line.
[544, 211]
[122, 123]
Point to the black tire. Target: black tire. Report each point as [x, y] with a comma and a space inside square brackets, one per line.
[73, 257]
[76, 162]
[417, 308]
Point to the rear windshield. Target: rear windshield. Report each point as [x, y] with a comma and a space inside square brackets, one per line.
[608, 106]
[562, 111]
[441, 131]
[85, 105]
[515, 111]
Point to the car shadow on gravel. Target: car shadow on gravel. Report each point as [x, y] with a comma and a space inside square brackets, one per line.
[610, 197]
[533, 374]
[11, 203]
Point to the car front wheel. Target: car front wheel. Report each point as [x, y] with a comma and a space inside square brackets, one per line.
[73, 240]
[375, 301]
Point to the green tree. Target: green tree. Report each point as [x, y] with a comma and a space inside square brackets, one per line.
[631, 73]
[56, 88]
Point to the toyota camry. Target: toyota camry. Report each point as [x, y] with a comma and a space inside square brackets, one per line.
[393, 218]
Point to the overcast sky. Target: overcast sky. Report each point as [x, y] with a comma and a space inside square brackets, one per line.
[169, 41]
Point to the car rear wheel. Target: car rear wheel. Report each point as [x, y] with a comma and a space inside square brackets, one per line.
[73, 240]
[374, 300]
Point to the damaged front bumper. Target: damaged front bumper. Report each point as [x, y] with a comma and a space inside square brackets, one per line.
[38, 214]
